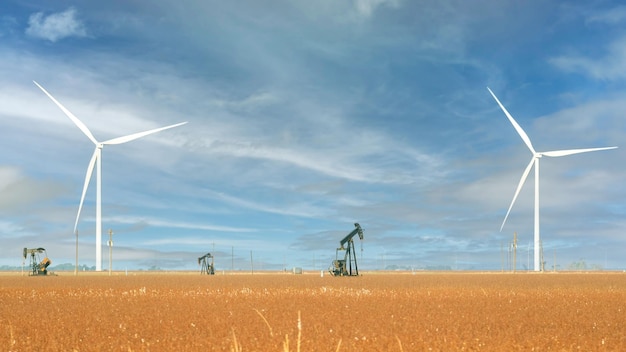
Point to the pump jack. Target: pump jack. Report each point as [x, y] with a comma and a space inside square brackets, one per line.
[37, 267]
[343, 267]
[206, 266]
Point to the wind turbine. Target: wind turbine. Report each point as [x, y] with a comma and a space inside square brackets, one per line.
[535, 162]
[96, 159]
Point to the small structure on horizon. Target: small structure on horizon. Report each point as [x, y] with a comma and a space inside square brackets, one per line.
[37, 266]
[348, 265]
[206, 264]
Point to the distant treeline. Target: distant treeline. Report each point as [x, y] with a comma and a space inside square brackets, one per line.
[67, 267]
[60, 267]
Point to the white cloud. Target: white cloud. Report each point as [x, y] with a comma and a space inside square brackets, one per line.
[176, 224]
[611, 16]
[302, 210]
[18, 190]
[357, 162]
[611, 66]
[55, 26]
[365, 8]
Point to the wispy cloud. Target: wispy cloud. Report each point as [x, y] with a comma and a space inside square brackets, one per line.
[364, 155]
[612, 16]
[365, 8]
[159, 223]
[609, 64]
[18, 190]
[608, 59]
[56, 26]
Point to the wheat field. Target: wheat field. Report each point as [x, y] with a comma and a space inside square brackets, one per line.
[284, 312]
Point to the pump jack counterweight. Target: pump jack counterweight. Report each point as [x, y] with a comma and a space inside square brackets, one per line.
[348, 265]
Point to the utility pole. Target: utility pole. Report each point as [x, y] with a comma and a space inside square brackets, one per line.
[528, 257]
[541, 261]
[501, 257]
[251, 263]
[514, 251]
[110, 251]
[76, 266]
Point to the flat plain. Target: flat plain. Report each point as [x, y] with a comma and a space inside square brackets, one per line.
[423, 311]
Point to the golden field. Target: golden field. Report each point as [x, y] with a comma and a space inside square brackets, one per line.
[285, 312]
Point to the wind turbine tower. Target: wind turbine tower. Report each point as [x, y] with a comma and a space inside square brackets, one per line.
[96, 160]
[534, 161]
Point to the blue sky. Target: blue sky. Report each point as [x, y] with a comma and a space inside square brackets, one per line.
[305, 117]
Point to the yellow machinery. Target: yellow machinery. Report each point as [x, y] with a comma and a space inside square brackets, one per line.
[37, 266]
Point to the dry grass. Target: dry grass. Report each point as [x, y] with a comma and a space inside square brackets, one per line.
[427, 311]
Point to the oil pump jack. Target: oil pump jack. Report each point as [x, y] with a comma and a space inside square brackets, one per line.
[37, 267]
[344, 267]
[206, 266]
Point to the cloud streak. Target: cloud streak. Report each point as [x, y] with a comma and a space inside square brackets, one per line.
[56, 26]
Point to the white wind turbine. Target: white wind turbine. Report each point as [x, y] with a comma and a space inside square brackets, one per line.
[535, 161]
[97, 157]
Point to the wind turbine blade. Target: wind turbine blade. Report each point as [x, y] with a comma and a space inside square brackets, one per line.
[518, 128]
[556, 153]
[87, 179]
[74, 119]
[134, 136]
[519, 188]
